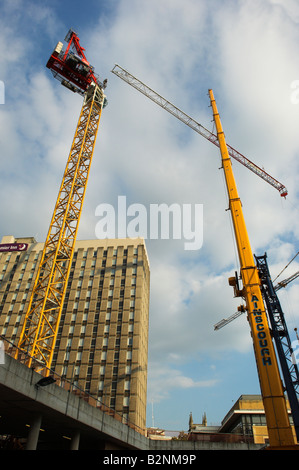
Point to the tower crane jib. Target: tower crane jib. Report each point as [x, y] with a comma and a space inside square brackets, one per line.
[189, 121]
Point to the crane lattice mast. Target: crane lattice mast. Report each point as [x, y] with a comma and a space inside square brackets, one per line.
[189, 121]
[39, 332]
[282, 339]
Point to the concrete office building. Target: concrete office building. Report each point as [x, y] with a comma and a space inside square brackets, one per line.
[102, 342]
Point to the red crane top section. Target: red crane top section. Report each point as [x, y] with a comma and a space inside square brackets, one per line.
[71, 67]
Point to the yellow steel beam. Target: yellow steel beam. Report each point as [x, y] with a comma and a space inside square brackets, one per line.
[279, 429]
[39, 331]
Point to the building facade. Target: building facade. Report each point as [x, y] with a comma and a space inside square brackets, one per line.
[244, 422]
[102, 342]
[247, 417]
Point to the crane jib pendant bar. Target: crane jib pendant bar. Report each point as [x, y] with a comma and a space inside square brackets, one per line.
[189, 121]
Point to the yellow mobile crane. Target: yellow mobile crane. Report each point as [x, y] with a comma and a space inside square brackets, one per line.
[39, 331]
[279, 429]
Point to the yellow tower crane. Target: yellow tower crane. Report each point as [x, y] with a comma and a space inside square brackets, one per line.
[39, 331]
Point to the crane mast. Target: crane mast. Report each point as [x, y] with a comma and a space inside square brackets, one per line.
[189, 121]
[279, 429]
[39, 331]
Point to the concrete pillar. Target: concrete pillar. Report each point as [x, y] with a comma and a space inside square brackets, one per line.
[75, 441]
[32, 438]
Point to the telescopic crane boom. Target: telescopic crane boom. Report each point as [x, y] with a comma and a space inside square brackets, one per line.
[189, 121]
[39, 332]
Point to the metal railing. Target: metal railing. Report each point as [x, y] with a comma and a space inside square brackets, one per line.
[11, 349]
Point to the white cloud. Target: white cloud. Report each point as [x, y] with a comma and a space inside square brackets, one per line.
[163, 380]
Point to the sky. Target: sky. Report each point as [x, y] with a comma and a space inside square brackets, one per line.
[246, 51]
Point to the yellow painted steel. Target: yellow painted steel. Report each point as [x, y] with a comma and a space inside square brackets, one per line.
[39, 331]
[279, 429]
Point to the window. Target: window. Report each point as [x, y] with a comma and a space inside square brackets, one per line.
[101, 385]
[127, 385]
[79, 356]
[112, 402]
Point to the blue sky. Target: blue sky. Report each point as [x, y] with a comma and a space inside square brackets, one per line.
[246, 50]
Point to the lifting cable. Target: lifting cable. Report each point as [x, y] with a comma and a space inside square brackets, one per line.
[286, 266]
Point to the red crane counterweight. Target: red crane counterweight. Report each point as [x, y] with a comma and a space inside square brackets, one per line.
[71, 67]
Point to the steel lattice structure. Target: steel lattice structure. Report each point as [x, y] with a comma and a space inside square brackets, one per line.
[41, 323]
[189, 121]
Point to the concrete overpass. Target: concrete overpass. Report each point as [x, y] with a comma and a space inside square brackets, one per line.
[65, 418]
[52, 417]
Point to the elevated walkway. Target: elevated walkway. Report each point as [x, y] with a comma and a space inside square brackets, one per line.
[58, 417]
[64, 416]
